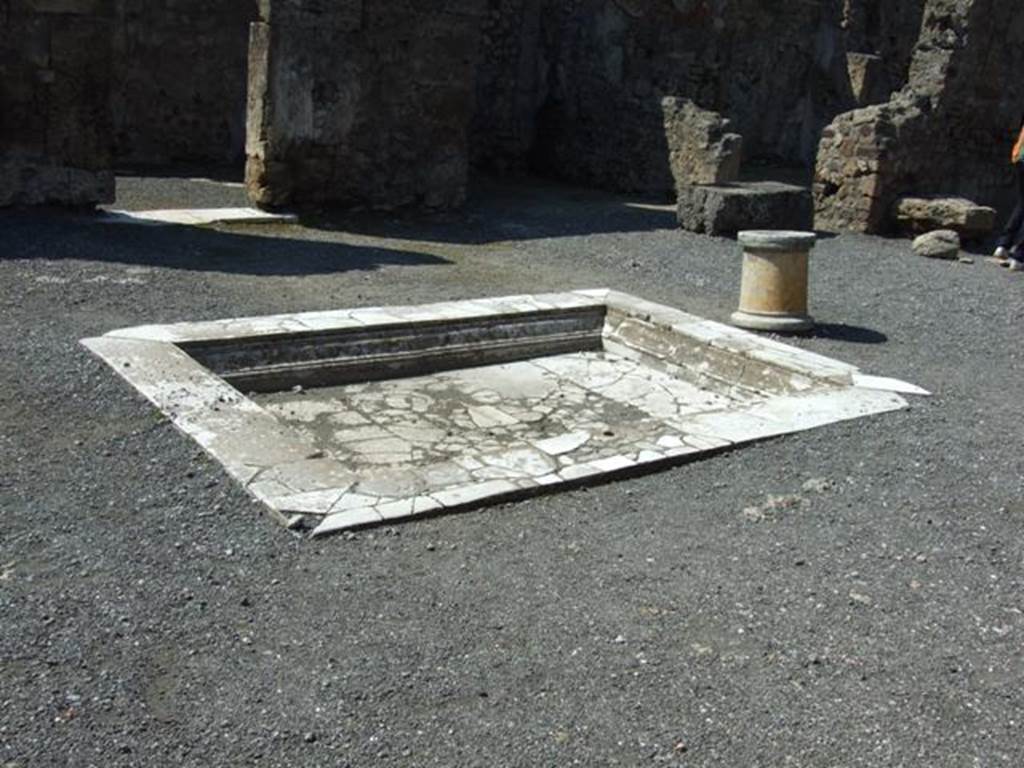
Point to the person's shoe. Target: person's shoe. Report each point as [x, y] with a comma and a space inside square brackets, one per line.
[1015, 265]
[1001, 253]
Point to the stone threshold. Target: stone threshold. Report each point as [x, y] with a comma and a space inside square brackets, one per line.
[199, 217]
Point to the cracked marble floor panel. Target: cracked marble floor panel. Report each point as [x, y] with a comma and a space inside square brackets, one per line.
[512, 421]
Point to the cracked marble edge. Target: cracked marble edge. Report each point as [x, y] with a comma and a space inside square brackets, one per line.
[718, 335]
[468, 495]
[298, 480]
[268, 458]
[734, 340]
[360, 317]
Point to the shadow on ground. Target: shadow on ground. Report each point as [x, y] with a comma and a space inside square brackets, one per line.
[851, 334]
[260, 251]
[507, 210]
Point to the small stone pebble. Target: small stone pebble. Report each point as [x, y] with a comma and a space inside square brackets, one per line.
[817, 485]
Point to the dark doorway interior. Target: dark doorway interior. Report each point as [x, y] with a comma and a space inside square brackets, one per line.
[179, 85]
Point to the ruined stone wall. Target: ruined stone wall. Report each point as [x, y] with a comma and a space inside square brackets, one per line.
[949, 131]
[602, 67]
[978, 96]
[375, 103]
[599, 69]
[54, 102]
[886, 29]
[367, 103]
[180, 80]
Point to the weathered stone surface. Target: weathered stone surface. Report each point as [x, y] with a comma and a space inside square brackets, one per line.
[510, 85]
[727, 209]
[54, 105]
[367, 104]
[940, 244]
[29, 180]
[949, 129]
[773, 290]
[867, 78]
[79, 7]
[884, 29]
[860, 158]
[387, 103]
[573, 86]
[702, 150]
[916, 215]
[776, 70]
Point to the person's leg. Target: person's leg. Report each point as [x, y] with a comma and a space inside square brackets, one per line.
[1013, 232]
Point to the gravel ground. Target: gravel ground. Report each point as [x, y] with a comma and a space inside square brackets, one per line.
[194, 190]
[847, 597]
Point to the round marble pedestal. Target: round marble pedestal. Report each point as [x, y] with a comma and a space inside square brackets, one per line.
[773, 294]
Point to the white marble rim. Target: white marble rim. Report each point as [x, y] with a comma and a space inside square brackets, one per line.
[776, 240]
[301, 486]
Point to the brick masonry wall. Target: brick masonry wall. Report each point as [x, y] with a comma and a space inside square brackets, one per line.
[54, 102]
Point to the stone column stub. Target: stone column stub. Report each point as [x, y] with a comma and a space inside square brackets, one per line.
[773, 294]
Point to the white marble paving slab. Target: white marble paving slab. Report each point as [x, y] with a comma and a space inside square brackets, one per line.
[200, 217]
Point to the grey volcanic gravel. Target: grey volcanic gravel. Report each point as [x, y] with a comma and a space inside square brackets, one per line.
[849, 596]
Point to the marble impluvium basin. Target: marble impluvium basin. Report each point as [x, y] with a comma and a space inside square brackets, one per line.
[347, 418]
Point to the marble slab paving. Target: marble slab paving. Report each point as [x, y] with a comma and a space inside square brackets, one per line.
[515, 421]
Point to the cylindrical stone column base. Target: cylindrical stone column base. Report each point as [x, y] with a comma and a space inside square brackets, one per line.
[773, 294]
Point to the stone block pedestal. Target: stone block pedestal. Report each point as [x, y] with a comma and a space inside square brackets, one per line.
[725, 209]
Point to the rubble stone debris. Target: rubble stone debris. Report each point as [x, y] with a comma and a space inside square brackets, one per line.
[917, 215]
[940, 244]
[702, 149]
